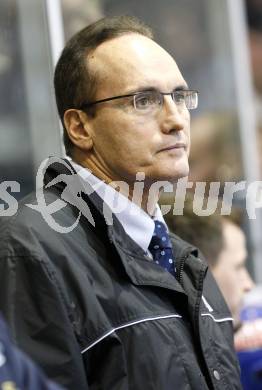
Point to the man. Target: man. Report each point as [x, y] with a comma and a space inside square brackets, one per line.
[223, 244]
[104, 306]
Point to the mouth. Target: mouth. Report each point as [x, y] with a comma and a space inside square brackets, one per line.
[178, 145]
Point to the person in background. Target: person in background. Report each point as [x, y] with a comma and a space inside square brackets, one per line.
[223, 244]
[254, 19]
[17, 371]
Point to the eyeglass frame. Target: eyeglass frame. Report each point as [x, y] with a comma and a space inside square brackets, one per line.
[87, 105]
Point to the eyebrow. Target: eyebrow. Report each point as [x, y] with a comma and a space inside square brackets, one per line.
[182, 87]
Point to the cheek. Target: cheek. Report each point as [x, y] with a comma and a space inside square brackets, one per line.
[226, 280]
[137, 139]
[123, 127]
[189, 145]
[108, 138]
[235, 291]
[188, 135]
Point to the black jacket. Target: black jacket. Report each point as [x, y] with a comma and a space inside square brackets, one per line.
[96, 313]
[17, 371]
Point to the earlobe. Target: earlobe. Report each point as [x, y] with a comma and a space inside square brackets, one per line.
[78, 129]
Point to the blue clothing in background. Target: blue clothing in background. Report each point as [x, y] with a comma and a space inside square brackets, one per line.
[251, 369]
[17, 371]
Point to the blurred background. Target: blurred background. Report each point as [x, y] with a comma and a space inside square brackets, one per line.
[218, 47]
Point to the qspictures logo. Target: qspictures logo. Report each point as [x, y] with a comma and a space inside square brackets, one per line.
[114, 202]
[71, 194]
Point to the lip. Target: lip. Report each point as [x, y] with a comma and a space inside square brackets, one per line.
[178, 145]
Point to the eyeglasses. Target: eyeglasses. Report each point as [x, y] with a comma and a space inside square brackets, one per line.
[152, 101]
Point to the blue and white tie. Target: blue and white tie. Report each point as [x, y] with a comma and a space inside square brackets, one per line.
[161, 248]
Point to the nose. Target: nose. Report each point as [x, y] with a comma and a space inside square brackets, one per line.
[248, 283]
[173, 118]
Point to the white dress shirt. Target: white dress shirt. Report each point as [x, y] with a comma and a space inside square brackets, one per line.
[135, 221]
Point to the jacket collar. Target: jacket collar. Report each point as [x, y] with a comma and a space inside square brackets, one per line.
[138, 266]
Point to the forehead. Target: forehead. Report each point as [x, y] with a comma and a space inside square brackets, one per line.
[133, 61]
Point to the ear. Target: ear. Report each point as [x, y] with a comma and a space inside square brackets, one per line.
[78, 128]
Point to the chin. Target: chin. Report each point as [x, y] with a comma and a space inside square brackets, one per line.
[167, 172]
[178, 172]
[170, 177]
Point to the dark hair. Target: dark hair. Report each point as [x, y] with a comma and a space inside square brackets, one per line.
[206, 232]
[73, 81]
[254, 15]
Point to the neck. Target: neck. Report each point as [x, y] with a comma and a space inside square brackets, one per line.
[138, 192]
[142, 196]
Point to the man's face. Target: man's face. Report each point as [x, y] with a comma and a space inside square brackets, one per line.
[230, 271]
[125, 141]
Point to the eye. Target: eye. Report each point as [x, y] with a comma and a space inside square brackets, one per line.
[179, 97]
[146, 100]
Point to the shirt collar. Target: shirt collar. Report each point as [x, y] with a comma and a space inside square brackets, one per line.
[135, 221]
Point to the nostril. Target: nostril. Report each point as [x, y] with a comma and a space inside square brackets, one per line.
[173, 124]
[169, 130]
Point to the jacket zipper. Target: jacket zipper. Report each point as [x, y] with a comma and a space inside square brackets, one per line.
[200, 288]
[205, 370]
[181, 268]
[197, 330]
